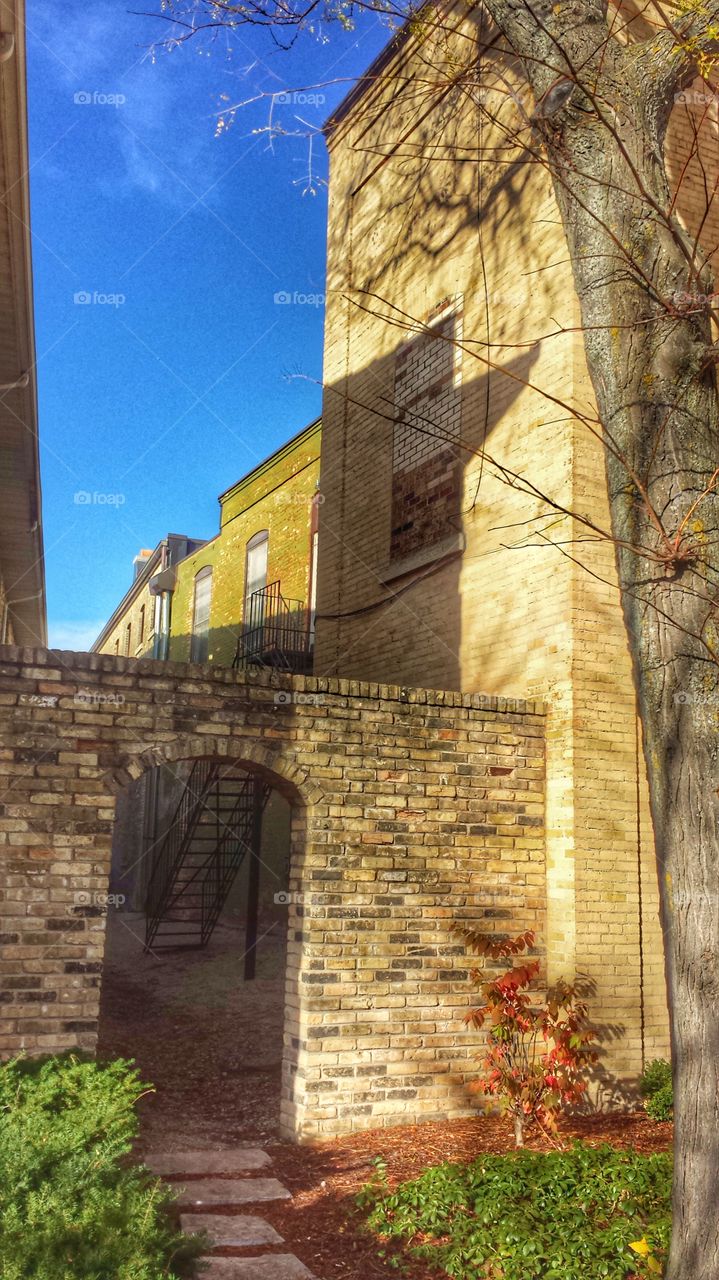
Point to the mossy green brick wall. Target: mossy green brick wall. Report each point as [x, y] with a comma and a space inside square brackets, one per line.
[277, 496]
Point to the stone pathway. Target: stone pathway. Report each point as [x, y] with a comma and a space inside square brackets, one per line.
[208, 1186]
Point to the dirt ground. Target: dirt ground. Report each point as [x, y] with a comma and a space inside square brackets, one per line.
[212, 1045]
[209, 1042]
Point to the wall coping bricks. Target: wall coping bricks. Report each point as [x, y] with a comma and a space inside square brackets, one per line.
[333, 686]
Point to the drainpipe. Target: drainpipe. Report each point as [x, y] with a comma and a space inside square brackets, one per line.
[9, 604]
[161, 587]
[165, 615]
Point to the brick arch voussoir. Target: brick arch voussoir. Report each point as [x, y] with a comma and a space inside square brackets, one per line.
[274, 763]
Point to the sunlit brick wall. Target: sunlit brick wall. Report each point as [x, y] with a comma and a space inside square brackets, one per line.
[505, 605]
[411, 810]
[279, 496]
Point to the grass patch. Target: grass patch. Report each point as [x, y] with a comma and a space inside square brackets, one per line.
[566, 1215]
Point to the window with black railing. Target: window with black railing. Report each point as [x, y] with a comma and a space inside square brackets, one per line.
[277, 632]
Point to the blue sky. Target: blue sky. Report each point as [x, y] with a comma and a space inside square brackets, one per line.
[166, 369]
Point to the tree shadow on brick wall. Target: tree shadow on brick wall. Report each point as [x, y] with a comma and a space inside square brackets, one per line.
[392, 578]
[489, 604]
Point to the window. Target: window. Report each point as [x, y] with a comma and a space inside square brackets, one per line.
[117, 645]
[425, 454]
[128, 637]
[256, 565]
[141, 636]
[199, 645]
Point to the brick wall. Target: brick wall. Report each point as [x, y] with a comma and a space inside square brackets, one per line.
[427, 404]
[410, 808]
[510, 605]
[139, 616]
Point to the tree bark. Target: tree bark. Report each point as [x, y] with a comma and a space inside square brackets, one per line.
[648, 351]
[518, 1131]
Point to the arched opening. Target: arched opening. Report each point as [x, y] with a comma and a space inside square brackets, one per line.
[205, 862]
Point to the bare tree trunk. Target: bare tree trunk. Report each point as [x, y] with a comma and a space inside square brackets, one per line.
[659, 412]
[518, 1131]
[649, 357]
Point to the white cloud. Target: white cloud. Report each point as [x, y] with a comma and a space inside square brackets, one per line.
[89, 53]
[77, 636]
[79, 44]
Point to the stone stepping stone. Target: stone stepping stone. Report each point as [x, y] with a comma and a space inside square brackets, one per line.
[241, 1232]
[238, 1160]
[274, 1266]
[225, 1191]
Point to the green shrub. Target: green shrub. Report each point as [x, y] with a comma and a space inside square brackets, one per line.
[70, 1208]
[660, 1106]
[656, 1088]
[566, 1215]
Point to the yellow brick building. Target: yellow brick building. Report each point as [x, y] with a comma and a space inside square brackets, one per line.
[189, 599]
[139, 626]
[244, 598]
[454, 379]
[268, 535]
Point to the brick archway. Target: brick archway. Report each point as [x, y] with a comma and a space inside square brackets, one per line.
[276, 764]
[417, 808]
[305, 798]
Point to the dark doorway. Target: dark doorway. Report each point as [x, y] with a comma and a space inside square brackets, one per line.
[194, 975]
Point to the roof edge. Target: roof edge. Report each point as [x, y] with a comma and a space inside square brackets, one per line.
[137, 585]
[311, 429]
[29, 612]
[364, 83]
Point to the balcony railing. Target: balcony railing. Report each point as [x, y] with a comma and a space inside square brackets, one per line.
[277, 632]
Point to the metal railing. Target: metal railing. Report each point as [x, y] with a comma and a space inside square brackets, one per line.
[175, 843]
[240, 837]
[217, 823]
[277, 633]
